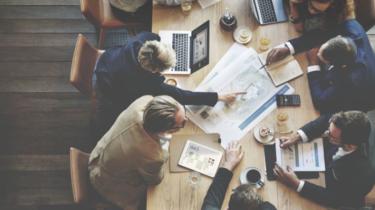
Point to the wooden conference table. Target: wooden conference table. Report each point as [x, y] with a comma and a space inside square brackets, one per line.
[174, 192]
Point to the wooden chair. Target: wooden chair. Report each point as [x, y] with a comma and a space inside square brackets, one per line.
[83, 63]
[370, 198]
[83, 192]
[365, 13]
[99, 13]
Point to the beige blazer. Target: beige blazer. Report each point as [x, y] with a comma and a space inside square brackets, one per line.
[127, 5]
[126, 159]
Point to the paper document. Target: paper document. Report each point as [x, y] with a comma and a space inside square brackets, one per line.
[282, 71]
[303, 156]
[201, 158]
[240, 73]
[207, 3]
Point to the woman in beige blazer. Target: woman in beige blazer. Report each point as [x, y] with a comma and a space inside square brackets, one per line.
[129, 157]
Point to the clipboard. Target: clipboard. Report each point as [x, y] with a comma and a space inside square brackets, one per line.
[178, 142]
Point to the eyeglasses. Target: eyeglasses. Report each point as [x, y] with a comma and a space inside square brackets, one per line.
[328, 133]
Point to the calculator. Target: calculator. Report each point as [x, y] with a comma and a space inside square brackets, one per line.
[288, 100]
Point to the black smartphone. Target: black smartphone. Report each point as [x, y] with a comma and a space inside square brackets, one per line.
[288, 100]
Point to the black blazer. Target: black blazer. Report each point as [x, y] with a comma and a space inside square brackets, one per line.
[341, 89]
[348, 179]
[216, 193]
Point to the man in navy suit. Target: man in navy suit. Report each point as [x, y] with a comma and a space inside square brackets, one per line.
[349, 174]
[341, 73]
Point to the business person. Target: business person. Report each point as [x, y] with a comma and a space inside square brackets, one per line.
[349, 174]
[125, 73]
[341, 73]
[243, 197]
[129, 157]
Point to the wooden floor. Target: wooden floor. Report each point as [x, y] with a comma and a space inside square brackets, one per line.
[41, 114]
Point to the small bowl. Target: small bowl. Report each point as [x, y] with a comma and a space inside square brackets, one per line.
[268, 135]
[171, 82]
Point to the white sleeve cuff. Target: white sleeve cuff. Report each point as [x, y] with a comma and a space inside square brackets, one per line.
[313, 68]
[291, 48]
[300, 185]
[303, 135]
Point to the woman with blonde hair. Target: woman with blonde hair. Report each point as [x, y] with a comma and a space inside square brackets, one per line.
[125, 73]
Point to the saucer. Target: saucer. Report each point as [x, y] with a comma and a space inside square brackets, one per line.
[269, 140]
[243, 179]
[242, 35]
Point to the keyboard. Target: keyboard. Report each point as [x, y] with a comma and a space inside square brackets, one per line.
[180, 43]
[267, 11]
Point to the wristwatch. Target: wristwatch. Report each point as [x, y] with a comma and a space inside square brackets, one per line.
[295, 20]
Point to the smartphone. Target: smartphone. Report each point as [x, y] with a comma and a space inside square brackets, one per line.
[288, 100]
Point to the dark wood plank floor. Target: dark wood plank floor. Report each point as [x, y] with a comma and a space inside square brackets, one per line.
[41, 114]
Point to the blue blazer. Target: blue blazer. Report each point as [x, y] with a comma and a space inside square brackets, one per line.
[340, 89]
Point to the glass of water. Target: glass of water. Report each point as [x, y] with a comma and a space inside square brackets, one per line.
[186, 5]
[194, 179]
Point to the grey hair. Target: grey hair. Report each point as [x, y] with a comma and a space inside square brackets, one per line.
[160, 114]
[340, 51]
[354, 125]
[156, 57]
[244, 197]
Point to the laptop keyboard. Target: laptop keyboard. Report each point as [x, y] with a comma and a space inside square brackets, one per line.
[180, 43]
[267, 11]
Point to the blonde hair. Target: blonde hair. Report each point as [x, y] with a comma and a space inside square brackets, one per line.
[156, 56]
[160, 114]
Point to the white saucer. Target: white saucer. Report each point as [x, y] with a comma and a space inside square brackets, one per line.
[269, 140]
[245, 32]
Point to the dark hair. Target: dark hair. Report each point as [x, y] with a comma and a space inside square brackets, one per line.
[244, 198]
[354, 125]
[340, 51]
[160, 114]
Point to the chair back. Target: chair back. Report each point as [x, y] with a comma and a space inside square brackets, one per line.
[370, 198]
[79, 175]
[365, 13]
[91, 10]
[83, 64]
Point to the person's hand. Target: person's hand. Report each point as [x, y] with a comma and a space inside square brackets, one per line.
[312, 56]
[229, 98]
[276, 54]
[288, 177]
[285, 142]
[298, 27]
[233, 155]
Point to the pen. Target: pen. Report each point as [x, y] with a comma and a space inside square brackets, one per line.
[263, 66]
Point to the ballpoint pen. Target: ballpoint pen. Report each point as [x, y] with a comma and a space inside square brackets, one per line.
[263, 66]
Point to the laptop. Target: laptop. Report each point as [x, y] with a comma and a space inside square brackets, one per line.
[192, 48]
[268, 11]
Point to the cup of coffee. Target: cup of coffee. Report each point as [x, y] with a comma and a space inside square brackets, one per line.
[254, 177]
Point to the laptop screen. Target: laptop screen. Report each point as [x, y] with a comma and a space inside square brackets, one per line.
[200, 46]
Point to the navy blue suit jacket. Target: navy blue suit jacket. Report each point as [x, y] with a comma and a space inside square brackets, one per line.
[119, 80]
[348, 179]
[340, 89]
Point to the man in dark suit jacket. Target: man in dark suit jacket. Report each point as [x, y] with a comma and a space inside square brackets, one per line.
[349, 174]
[243, 197]
[342, 73]
[125, 73]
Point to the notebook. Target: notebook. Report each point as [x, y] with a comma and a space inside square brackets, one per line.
[192, 48]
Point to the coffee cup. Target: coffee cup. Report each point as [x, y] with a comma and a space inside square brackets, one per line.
[254, 177]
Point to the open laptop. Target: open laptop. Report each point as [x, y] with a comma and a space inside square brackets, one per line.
[268, 11]
[192, 48]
